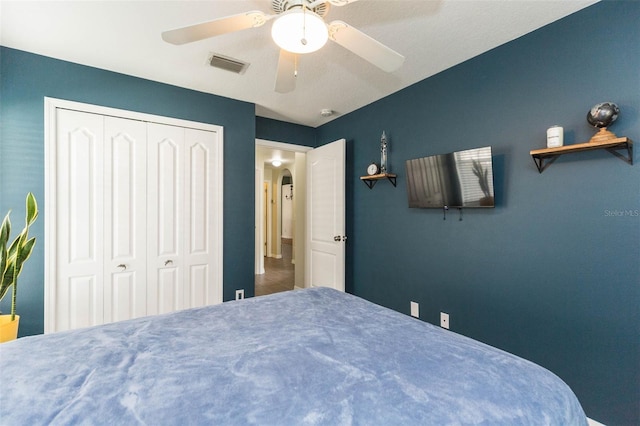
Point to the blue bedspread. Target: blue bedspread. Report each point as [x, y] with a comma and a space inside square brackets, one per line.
[307, 357]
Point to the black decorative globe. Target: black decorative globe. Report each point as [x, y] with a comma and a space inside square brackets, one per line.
[603, 114]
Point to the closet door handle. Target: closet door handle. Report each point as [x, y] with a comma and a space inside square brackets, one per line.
[122, 267]
[168, 262]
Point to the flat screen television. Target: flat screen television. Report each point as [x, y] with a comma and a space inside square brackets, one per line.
[455, 180]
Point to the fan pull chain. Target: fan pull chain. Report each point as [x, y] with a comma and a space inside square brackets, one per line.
[304, 26]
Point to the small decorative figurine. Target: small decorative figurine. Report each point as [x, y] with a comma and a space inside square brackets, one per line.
[383, 153]
[602, 116]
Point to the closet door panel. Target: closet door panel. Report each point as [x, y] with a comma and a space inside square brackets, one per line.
[124, 298]
[200, 213]
[165, 199]
[79, 220]
[197, 195]
[168, 190]
[125, 219]
[199, 286]
[82, 297]
[167, 295]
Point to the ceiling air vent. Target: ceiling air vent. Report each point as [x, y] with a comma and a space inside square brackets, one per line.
[226, 63]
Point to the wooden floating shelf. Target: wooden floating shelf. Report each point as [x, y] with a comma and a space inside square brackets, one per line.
[544, 157]
[371, 180]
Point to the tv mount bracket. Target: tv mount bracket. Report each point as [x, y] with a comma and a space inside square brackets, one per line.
[445, 209]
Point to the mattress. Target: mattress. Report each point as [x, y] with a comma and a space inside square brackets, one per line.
[308, 357]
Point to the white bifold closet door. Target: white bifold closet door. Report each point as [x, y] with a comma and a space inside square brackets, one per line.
[180, 204]
[134, 210]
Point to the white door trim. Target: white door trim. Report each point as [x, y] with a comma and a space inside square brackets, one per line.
[51, 105]
[282, 145]
[267, 197]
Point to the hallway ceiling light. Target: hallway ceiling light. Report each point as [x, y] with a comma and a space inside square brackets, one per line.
[276, 163]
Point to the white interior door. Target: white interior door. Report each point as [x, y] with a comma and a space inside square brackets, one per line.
[200, 261]
[125, 211]
[100, 216]
[183, 266]
[326, 216]
[79, 220]
[165, 198]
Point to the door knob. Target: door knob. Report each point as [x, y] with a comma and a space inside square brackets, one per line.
[122, 267]
[168, 262]
[337, 238]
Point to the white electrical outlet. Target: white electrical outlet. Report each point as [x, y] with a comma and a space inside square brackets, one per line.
[444, 320]
[415, 309]
[239, 294]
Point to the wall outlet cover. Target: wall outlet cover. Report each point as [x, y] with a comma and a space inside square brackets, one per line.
[444, 320]
[415, 309]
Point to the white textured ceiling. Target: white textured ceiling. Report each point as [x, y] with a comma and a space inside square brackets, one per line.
[124, 36]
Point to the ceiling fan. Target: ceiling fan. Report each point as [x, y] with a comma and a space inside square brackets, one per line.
[299, 28]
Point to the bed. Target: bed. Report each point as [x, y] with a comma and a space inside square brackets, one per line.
[307, 357]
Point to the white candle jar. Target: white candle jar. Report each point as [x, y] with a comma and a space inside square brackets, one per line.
[554, 137]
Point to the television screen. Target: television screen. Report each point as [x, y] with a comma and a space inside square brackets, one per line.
[454, 180]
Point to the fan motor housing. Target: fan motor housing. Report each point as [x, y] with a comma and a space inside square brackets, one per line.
[281, 6]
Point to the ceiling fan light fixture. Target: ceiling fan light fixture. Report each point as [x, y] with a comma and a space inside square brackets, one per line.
[299, 31]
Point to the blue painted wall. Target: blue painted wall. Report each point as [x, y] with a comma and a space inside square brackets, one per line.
[281, 131]
[28, 78]
[553, 272]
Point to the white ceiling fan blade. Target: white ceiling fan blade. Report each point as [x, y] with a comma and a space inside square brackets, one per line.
[286, 74]
[364, 46]
[216, 27]
[317, 3]
[341, 2]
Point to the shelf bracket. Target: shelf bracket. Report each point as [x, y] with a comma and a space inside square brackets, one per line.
[628, 147]
[370, 183]
[541, 164]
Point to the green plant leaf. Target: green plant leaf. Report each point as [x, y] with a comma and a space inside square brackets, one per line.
[31, 209]
[5, 230]
[20, 249]
[23, 255]
[7, 280]
[3, 262]
[13, 248]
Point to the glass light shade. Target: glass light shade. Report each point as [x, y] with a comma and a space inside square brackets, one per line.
[276, 163]
[300, 31]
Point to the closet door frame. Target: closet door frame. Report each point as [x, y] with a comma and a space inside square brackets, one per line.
[51, 106]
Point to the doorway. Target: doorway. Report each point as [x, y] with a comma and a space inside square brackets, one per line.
[280, 216]
[279, 269]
